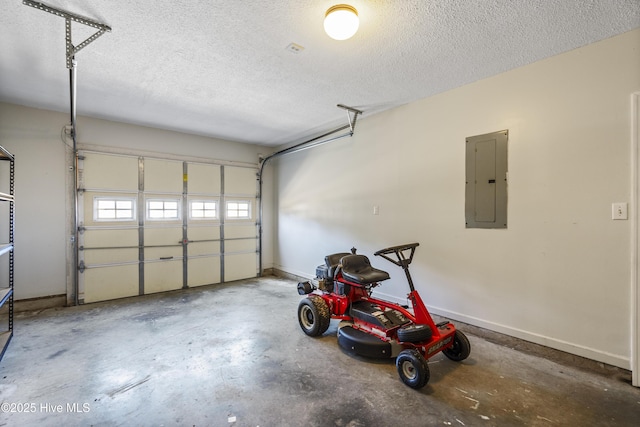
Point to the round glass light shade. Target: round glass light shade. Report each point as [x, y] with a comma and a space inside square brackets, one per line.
[341, 21]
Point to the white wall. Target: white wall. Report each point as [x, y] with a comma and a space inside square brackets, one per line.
[560, 274]
[34, 137]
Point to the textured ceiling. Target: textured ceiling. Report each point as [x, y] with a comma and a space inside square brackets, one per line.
[220, 68]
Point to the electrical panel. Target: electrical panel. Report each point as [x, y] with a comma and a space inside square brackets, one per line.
[486, 180]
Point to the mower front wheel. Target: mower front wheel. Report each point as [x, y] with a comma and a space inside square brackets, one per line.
[413, 368]
[460, 349]
[313, 315]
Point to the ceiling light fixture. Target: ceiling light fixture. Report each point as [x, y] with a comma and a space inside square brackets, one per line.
[341, 21]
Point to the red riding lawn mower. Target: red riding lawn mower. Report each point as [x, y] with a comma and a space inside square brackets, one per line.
[372, 327]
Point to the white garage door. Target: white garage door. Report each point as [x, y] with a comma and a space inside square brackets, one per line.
[151, 225]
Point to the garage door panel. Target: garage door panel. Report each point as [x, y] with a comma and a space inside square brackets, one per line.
[204, 248]
[204, 179]
[204, 271]
[204, 233]
[162, 236]
[107, 283]
[231, 246]
[151, 254]
[164, 176]
[109, 237]
[109, 256]
[162, 276]
[112, 172]
[239, 266]
[240, 181]
[239, 231]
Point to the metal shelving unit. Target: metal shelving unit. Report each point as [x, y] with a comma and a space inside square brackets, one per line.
[6, 250]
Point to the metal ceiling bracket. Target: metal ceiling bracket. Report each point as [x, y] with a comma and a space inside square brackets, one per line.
[68, 16]
[352, 122]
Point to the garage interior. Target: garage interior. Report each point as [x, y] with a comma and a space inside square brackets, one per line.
[158, 241]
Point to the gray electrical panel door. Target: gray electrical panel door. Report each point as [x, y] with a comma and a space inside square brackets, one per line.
[486, 180]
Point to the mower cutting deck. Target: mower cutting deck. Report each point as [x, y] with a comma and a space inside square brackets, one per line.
[373, 327]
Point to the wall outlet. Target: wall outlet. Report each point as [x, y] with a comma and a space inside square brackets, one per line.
[618, 211]
[376, 210]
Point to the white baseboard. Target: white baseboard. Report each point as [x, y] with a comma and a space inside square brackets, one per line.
[304, 275]
[578, 350]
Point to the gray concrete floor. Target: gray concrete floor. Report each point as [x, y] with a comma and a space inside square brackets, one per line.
[234, 355]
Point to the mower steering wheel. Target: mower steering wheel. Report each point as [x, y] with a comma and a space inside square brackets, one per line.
[402, 260]
[395, 249]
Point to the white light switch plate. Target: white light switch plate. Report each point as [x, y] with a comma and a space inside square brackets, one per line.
[618, 211]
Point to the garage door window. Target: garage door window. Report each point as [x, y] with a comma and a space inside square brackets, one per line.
[163, 209]
[238, 209]
[114, 209]
[199, 209]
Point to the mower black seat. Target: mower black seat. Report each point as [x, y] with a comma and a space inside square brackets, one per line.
[358, 269]
[332, 262]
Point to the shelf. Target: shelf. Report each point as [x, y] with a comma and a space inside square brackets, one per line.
[4, 248]
[5, 293]
[5, 337]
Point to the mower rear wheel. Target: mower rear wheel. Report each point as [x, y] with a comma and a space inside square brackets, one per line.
[414, 333]
[460, 349]
[313, 315]
[412, 368]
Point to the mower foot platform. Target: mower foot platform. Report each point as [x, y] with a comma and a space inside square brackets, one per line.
[362, 343]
